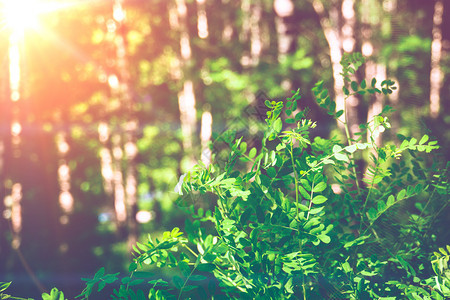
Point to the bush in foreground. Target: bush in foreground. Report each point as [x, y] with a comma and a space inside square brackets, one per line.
[278, 230]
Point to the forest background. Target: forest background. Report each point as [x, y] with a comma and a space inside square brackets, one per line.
[104, 104]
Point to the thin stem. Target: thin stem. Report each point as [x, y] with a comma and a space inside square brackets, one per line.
[190, 250]
[363, 211]
[184, 284]
[295, 178]
[310, 201]
[347, 133]
[303, 287]
[296, 190]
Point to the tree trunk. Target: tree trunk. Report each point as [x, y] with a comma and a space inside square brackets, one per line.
[348, 46]
[330, 27]
[436, 76]
[205, 136]
[186, 96]
[119, 166]
[372, 68]
[15, 198]
[284, 9]
[340, 39]
[202, 20]
[66, 200]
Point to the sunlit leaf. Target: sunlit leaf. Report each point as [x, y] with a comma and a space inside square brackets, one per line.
[319, 199]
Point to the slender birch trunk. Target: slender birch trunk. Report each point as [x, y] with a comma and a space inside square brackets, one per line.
[186, 96]
[5, 140]
[348, 46]
[256, 42]
[286, 41]
[202, 19]
[330, 26]
[126, 180]
[436, 76]
[205, 136]
[13, 201]
[66, 200]
[372, 68]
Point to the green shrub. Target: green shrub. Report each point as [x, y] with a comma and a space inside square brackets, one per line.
[296, 220]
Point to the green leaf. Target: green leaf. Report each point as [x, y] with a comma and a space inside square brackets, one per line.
[336, 148]
[401, 195]
[339, 113]
[252, 153]
[243, 147]
[245, 216]
[372, 213]
[272, 172]
[99, 273]
[346, 267]
[390, 200]
[324, 238]
[319, 187]
[346, 91]
[354, 85]
[314, 211]
[381, 206]
[4, 286]
[306, 184]
[277, 125]
[228, 224]
[361, 146]
[101, 286]
[132, 267]
[351, 148]
[177, 281]
[363, 84]
[206, 267]
[341, 157]
[319, 199]
[303, 192]
[423, 140]
[373, 82]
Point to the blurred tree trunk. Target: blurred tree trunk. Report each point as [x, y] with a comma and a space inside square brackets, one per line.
[256, 41]
[202, 19]
[119, 151]
[340, 39]
[106, 159]
[183, 72]
[436, 76]
[330, 26]
[15, 80]
[284, 10]
[5, 161]
[130, 126]
[352, 104]
[373, 69]
[205, 135]
[66, 201]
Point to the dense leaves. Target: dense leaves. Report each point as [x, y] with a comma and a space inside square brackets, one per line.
[280, 228]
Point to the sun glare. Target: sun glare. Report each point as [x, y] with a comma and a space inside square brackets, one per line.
[20, 15]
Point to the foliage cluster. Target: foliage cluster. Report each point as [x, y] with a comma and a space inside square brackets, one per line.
[282, 228]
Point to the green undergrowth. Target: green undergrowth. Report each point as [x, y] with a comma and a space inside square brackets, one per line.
[296, 218]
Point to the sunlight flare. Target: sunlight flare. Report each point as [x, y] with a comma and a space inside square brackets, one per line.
[20, 15]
